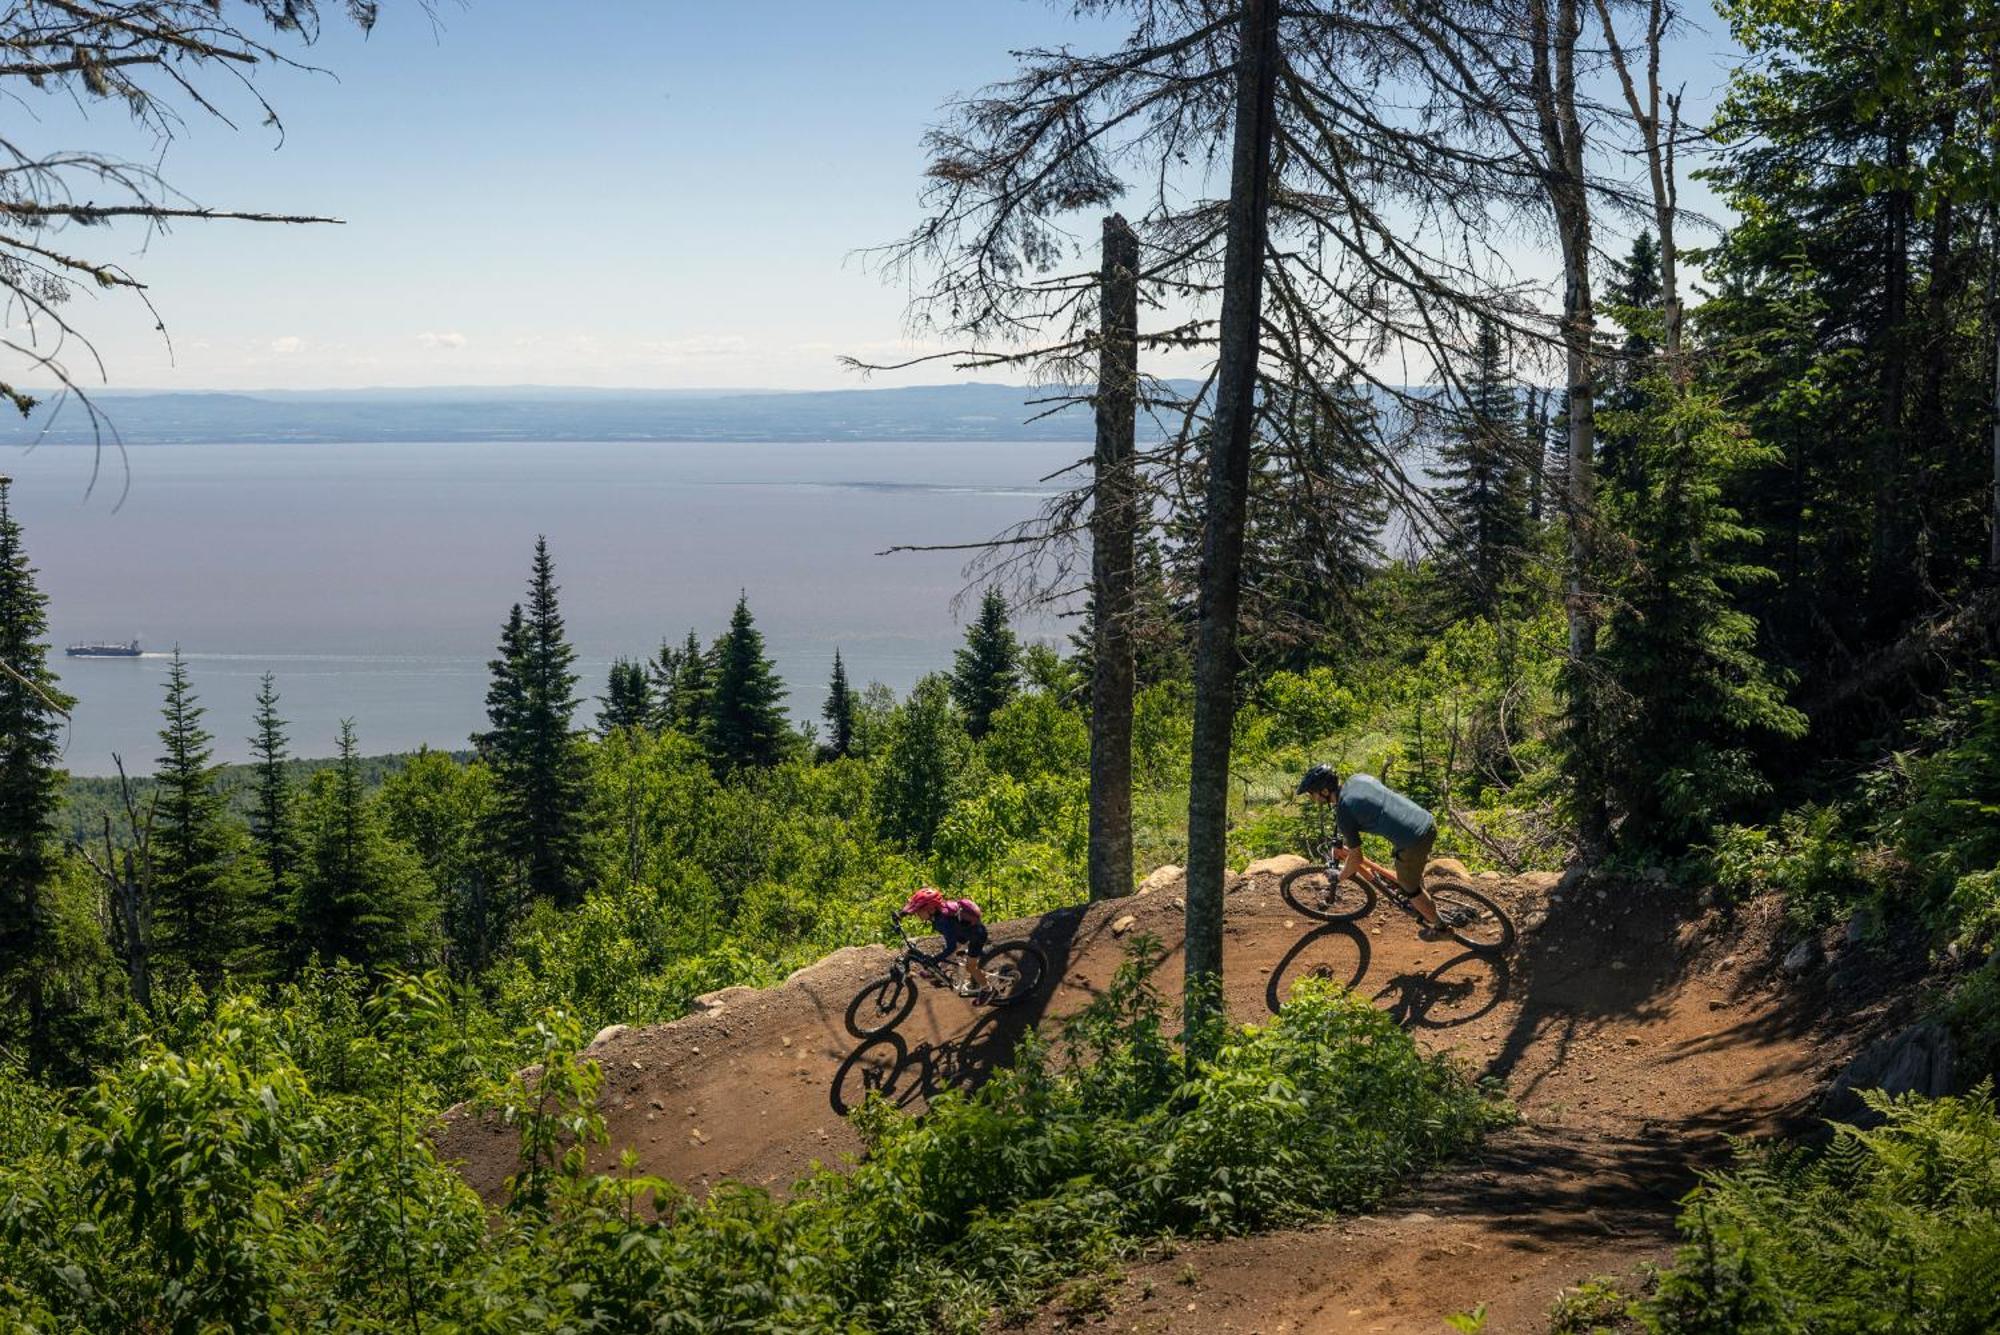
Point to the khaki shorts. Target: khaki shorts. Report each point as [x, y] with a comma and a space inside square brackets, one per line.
[1410, 863]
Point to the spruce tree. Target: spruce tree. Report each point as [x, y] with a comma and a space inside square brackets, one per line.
[538, 768]
[1484, 497]
[925, 767]
[680, 680]
[745, 726]
[273, 814]
[361, 896]
[207, 880]
[987, 671]
[839, 712]
[627, 701]
[31, 711]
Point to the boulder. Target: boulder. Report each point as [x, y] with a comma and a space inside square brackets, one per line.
[709, 1002]
[1124, 925]
[1284, 864]
[1919, 1060]
[833, 970]
[1800, 957]
[607, 1034]
[1537, 882]
[1861, 926]
[1161, 877]
[1446, 869]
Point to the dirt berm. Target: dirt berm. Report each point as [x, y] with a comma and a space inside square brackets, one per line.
[1634, 1034]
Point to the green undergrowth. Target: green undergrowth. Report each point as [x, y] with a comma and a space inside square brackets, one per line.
[1891, 1229]
[236, 1182]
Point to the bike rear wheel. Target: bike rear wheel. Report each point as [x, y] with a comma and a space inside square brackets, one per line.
[1474, 921]
[881, 1006]
[1013, 970]
[1315, 892]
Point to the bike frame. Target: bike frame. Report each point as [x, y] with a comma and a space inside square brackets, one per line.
[1381, 877]
[908, 960]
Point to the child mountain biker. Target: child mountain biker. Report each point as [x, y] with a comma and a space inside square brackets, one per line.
[957, 921]
[1366, 805]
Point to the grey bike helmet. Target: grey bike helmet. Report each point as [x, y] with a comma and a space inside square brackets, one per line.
[1317, 778]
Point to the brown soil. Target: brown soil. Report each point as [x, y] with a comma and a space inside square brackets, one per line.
[1634, 1037]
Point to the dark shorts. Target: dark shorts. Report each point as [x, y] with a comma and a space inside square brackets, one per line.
[975, 939]
[1410, 862]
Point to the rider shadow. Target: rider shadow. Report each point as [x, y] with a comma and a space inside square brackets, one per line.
[1459, 991]
[909, 1075]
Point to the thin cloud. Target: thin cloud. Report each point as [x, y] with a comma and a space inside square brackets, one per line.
[446, 339]
[287, 345]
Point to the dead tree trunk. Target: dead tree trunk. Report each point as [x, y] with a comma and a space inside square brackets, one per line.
[1553, 40]
[128, 892]
[1114, 520]
[1222, 529]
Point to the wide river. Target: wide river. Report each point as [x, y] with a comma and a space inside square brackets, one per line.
[373, 579]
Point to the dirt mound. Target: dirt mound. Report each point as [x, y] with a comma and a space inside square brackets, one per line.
[1634, 1037]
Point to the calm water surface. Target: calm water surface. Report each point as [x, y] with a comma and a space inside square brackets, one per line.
[373, 579]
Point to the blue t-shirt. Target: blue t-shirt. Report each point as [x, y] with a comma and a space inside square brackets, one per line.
[1366, 805]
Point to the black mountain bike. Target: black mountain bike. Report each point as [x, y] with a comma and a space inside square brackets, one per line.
[1472, 920]
[1014, 970]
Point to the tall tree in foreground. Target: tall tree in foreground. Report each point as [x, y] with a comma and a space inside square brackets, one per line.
[1114, 523]
[538, 770]
[627, 701]
[746, 721]
[31, 712]
[987, 671]
[839, 712]
[207, 882]
[361, 895]
[273, 814]
[1257, 63]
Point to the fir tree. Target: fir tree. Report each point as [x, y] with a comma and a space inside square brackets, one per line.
[1484, 498]
[1693, 701]
[207, 881]
[987, 671]
[627, 701]
[538, 769]
[273, 814]
[31, 710]
[1634, 298]
[361, 896]
[839, 712]
[746, 723]
[681, 679]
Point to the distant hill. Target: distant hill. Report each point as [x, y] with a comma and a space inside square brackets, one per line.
[972, 412]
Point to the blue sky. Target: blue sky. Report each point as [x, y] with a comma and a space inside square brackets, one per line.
[603, 192]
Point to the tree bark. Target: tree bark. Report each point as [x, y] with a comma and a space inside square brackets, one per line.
[1113, 523]
[1222, 531]
[1554, 79]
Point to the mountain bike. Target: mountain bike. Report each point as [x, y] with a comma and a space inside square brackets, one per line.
[1470, 918]
[1014, 970]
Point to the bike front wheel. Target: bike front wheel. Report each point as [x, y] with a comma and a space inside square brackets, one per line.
[1317, 893]
[1474, 921]
[1013, 971]
[881, 1006]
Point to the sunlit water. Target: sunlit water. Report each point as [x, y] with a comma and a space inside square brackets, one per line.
[373, 579]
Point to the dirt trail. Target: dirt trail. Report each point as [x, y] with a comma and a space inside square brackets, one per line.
[1633, 1040]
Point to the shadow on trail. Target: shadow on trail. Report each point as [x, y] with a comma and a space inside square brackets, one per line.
[1462, 989]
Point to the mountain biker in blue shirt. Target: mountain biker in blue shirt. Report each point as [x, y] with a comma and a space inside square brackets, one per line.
[1366, 805]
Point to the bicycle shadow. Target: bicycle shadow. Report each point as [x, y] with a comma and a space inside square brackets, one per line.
[1464, 988]
[910, 1075]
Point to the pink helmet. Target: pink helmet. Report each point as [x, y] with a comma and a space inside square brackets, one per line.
[929, 899]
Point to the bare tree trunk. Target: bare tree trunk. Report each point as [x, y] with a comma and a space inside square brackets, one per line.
[1993, 538]
[1554, 80]
[1222, 530]
[1114, 520]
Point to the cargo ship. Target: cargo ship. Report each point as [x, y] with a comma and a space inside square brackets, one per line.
[129, 649]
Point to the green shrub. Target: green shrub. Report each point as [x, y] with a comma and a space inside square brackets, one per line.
[1892, 1229]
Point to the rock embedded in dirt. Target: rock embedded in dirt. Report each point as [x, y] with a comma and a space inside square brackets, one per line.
[1860, 927]
[1161, 877]
[1446, 869]
[1800, 957]
[715, 1001]
[1282, 865]
[1124, 925]
[606, 1034]
[1919, 1060]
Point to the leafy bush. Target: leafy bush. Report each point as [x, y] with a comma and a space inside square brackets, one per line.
[1892, 1229]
